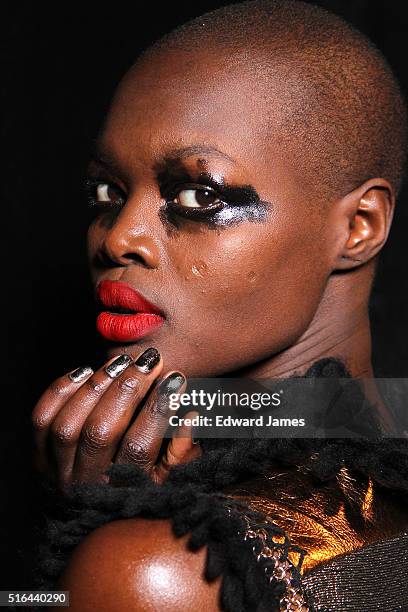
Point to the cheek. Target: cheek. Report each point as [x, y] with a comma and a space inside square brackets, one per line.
[254, 284]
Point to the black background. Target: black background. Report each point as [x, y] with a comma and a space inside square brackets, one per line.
[59, 67]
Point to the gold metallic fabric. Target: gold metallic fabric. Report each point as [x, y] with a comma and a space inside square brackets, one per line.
[325, 519]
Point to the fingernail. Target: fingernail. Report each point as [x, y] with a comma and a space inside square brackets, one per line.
[147, 360]
[80, 374]
[118, 365]
[171, 384]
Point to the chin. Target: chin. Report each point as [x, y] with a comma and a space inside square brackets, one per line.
[130, 349]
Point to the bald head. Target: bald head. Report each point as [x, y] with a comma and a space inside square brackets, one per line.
[325, 84]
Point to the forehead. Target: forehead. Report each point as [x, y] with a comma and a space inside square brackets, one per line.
[171, 100]
[177, 97]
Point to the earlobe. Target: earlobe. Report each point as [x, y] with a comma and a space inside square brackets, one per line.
[368, 213]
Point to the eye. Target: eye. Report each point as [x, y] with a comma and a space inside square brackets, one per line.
[102, 193]
[197, 197]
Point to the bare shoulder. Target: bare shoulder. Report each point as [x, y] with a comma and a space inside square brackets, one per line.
[138, 565]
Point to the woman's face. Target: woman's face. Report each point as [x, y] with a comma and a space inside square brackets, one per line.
[202, 212]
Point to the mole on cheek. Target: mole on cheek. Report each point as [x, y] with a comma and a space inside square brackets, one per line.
[200, 269]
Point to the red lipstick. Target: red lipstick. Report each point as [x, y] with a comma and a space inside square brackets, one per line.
[128, 315]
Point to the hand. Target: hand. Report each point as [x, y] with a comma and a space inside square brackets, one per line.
[83, 422]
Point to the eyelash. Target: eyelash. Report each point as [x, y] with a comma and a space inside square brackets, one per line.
[194, 212]
[91, 185]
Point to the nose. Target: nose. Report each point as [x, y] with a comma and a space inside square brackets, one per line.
[128, 242]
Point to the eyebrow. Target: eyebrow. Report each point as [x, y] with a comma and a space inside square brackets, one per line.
[105, 158]
[199, 149]
[102, 157]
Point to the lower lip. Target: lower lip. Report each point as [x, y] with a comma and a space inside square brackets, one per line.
[127, 327]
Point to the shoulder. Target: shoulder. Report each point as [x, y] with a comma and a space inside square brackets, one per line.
[138, 564]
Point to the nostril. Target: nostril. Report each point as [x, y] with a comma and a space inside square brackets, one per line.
[121, 248]
[136, 258]
[103, 260]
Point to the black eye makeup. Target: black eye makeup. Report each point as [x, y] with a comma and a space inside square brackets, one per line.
[196, 195]
[208, 200]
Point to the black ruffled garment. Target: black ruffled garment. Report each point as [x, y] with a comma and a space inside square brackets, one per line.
[253, 555]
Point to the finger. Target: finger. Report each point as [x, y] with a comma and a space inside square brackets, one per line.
[142, 441]
[182, 447]
[66, 428]
[106, 424]
[48, 406]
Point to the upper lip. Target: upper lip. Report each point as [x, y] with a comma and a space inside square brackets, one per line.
[119, 296]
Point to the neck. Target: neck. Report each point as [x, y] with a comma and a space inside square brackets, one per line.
[340, 329]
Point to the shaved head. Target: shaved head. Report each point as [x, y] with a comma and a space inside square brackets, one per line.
[324, 83]
[248, 164]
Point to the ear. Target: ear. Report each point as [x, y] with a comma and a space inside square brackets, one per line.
[365, 218]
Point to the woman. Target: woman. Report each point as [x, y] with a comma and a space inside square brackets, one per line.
[243, 185]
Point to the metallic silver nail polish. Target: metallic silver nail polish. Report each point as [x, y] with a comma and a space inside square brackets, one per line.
[171, 384]
[147, 360]
[80, 374]
[118, 366]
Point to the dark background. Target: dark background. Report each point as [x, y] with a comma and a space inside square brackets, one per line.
[58, 70]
